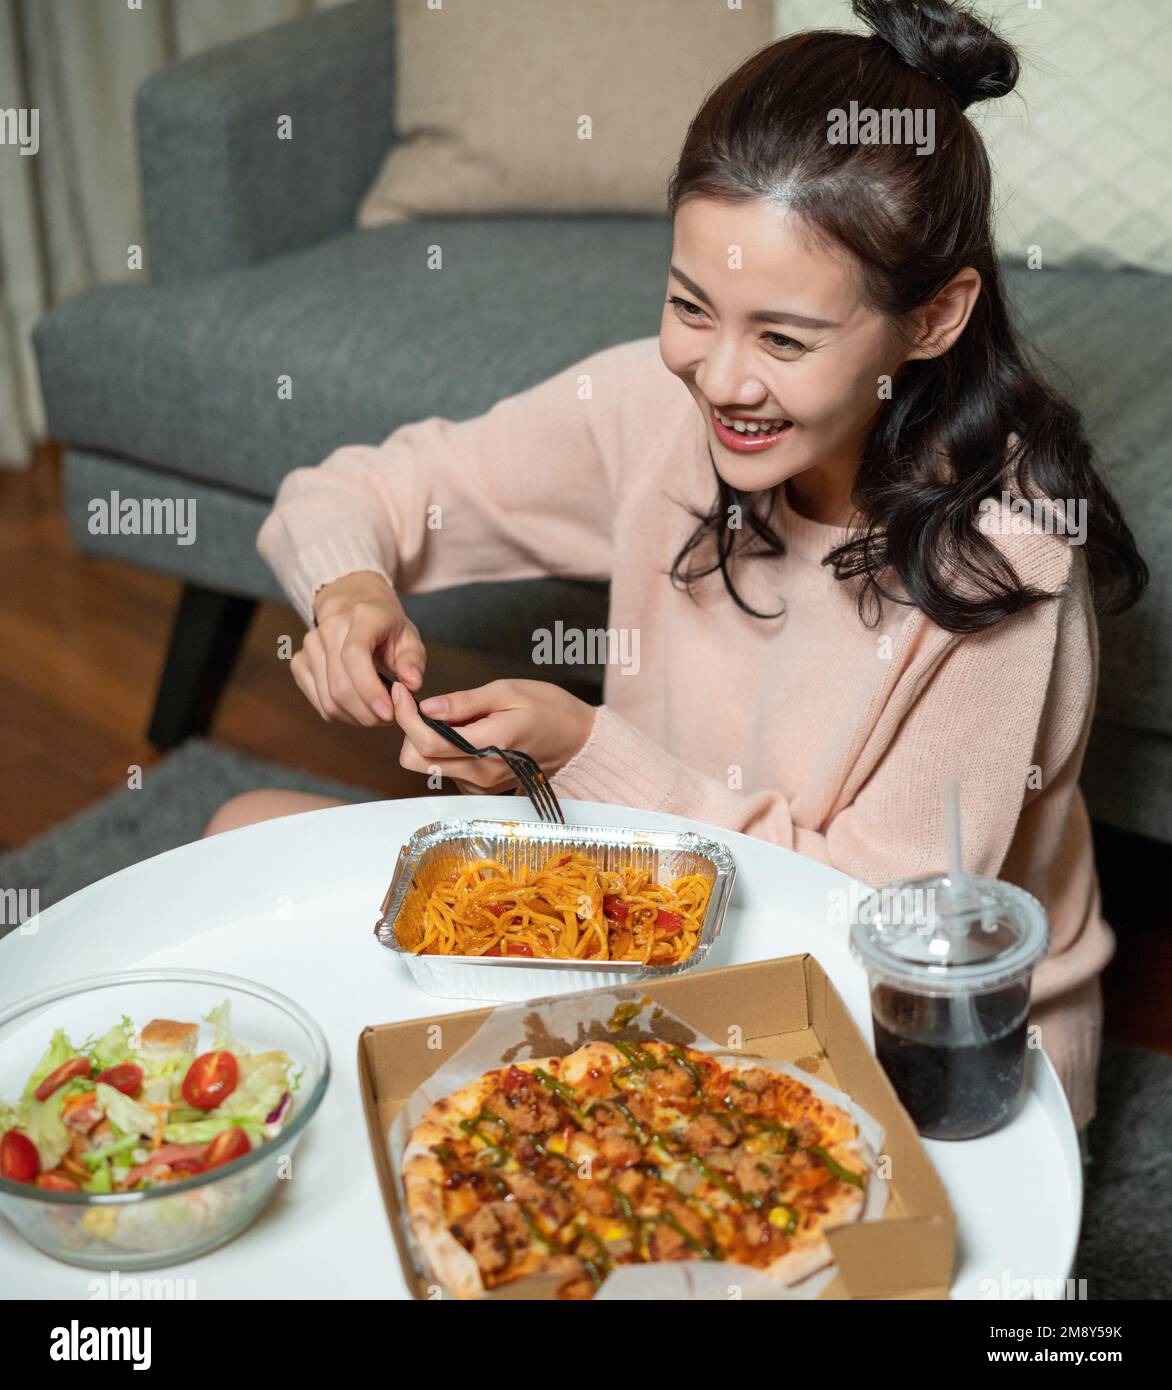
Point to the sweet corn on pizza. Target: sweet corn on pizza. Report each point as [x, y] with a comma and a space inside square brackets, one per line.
[624, 1153]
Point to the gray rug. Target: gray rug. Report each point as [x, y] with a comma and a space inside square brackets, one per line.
[1126, 1247]
[174, 804]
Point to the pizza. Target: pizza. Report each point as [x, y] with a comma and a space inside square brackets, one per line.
[624, 1153]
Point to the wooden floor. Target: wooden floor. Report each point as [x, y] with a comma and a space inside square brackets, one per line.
[83, 642]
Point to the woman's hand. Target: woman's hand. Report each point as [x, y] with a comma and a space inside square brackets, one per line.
[541, 719]
[359, 620]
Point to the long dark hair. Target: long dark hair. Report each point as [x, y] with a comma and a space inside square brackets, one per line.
[911, 223]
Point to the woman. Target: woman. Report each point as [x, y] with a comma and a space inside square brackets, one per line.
[856, 613]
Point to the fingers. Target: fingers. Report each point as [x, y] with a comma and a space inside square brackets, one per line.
[427, 742]
[316, 663]
[468, 774]
[426, 751]
[330, 691]
[340, 698]
[337, 654]
[341, 654]
[461, 706]
[369, 690]
[479, 774]
[303, 675]
[370, 632]
[353, 667]
[408, 656]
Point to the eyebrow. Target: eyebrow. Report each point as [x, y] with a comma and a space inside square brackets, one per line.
[758, 315]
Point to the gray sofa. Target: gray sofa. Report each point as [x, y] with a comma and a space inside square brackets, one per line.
[170, 388]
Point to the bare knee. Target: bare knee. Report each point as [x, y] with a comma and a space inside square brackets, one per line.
[249, 808]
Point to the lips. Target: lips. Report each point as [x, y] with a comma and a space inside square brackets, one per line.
[746, 443]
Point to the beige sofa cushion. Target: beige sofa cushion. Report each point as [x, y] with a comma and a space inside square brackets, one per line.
[493, 99]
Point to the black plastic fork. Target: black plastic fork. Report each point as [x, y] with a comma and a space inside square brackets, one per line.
[532, 781]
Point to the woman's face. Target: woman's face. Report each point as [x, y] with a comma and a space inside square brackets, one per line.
[762, 326]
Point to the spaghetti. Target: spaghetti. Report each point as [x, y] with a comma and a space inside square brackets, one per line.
[571, 909]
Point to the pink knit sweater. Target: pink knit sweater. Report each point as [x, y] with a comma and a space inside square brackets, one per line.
[809, 730]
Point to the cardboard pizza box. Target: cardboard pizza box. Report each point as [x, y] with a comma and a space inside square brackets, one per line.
[784, 1009]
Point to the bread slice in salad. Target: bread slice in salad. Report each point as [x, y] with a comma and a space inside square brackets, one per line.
[163, 1036]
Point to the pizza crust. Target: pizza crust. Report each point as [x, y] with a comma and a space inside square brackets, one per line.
[423, 1187]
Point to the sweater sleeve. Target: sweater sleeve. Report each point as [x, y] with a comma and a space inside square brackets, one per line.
[993, 713]
[523, 490]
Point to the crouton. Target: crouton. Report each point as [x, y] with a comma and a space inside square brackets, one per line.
[163, 1036]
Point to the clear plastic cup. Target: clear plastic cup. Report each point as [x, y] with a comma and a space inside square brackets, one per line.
[950, 964]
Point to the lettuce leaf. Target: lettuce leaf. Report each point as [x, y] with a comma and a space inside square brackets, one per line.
[222, 1040]
[125, 1114]
[113, 1047]
[204, 1131]
[264, 1079]
[60, 1051]
[41, 1121]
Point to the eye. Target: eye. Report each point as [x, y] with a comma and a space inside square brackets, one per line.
[784, 344]
[684, 307]
[687, 312]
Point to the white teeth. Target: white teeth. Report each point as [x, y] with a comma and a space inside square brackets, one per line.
[751, 426]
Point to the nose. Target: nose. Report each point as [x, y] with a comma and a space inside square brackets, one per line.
[727, 379]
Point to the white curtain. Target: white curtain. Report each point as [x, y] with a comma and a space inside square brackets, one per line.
[69, 211]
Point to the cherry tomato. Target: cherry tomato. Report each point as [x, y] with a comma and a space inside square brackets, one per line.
[618, 911]
[79, 1066]
[210, 1079]
[613, 906]
[125, 1077]
[188, 1165]
[56, 1182]
[19, 1161]
[229, 1144]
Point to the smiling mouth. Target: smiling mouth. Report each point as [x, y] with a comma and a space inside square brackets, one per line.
[748, 435]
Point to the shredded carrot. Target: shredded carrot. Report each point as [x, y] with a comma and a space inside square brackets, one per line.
[161, 1118]
[81, 1098]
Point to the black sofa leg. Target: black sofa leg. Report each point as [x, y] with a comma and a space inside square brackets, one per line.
[209, 631]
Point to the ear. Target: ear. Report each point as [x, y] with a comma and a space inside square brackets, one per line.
[937, 324]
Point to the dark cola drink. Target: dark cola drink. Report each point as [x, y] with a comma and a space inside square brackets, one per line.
[955, 1080]
[949, 966]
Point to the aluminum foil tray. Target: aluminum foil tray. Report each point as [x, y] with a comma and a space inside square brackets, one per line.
[435, 850]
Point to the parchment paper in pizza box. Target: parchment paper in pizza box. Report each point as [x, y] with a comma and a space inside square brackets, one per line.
[557, 1026]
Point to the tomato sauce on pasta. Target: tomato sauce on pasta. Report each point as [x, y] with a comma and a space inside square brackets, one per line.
[570, 909]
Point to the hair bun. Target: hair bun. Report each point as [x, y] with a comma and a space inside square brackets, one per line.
[944, 41]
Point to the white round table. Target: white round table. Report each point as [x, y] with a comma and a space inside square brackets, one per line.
[292, 903]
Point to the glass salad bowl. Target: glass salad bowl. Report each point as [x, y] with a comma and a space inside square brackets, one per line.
[184, 1217]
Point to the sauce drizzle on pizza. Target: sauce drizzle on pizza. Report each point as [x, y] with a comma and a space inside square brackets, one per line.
[637, 1152]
